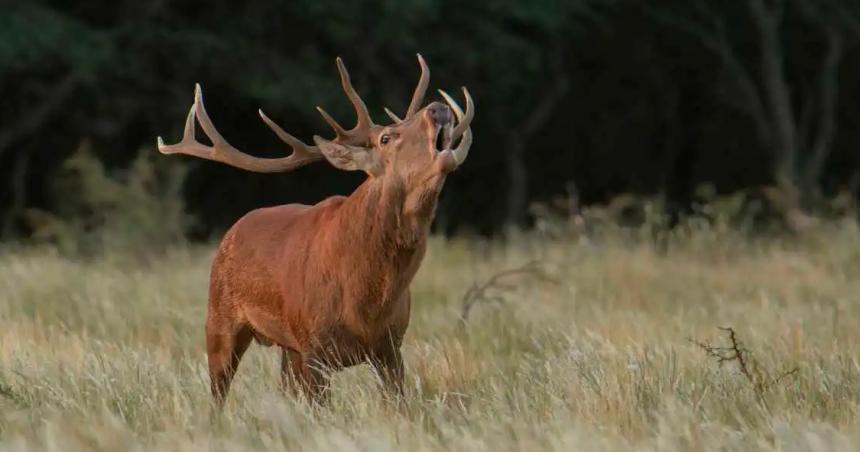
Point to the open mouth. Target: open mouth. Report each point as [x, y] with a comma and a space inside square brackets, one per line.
[443, 137]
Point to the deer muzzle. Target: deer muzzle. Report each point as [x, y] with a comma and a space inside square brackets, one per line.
[440, 114]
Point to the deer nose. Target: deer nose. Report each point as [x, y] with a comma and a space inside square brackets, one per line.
[440, 113]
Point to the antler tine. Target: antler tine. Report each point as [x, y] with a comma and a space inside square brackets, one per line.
[420, 89]
[206, 123]
[341, 133]
[464, 121]
[224, 152]
[187, 135]
[299, 147]
[359, 134]
[189, 143]
[393, 116]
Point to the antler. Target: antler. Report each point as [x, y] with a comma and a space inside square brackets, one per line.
[418, 95]
[224, 152]
[359, 134]
[463, 125]
[420, 89]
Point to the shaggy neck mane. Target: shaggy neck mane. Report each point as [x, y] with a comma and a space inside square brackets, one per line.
[380, 214]
[379, 240]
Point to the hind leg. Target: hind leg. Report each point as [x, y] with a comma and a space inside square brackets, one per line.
[225, 345]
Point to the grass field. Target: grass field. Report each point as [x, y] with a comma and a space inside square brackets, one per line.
[107, 353]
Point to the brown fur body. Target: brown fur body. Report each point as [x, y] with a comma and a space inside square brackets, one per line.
[328, 283]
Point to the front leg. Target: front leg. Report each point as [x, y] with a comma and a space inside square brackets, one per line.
[386, 360]
[304, 374]
[388, 364]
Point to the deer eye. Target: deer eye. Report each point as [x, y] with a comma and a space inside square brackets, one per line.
[384, 139]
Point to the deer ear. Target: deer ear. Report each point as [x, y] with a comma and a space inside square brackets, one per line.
[348, 157]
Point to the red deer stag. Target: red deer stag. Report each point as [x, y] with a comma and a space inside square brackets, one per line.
[329, 283]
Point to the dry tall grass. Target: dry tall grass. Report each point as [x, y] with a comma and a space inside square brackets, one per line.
[107, 353]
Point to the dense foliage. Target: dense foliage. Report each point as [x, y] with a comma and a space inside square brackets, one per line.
[593, 97]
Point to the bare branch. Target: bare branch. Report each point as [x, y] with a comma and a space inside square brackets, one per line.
[827, 88]
[481, 293]
[777, 95]
[710, 30]
[735, 352]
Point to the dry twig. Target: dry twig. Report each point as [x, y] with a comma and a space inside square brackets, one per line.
[736, 352]
[493, 289]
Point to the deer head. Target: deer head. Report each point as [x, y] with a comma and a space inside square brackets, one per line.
[417, 150]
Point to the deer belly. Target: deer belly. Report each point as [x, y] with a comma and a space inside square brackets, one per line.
[339, 347]
[269, 329]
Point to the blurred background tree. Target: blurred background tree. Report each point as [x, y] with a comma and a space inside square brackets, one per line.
[580, 98]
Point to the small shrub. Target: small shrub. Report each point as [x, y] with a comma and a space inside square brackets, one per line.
[136, 211]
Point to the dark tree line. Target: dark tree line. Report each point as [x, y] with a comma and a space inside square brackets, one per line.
[596, 97]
